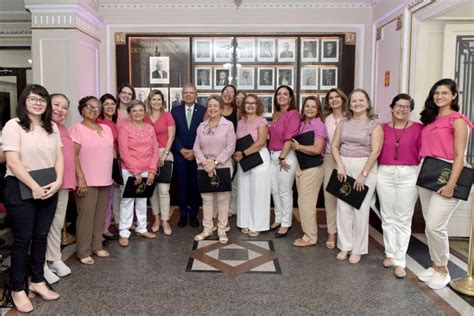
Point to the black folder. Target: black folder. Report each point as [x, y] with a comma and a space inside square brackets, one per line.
[307, 161]
[345, 190]
[117, 171]
[165, 172]
[41, 176]
[219, 182]
[140, 190]
[251, 161]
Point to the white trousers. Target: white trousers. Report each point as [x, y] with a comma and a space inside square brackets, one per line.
[396, 188]
[282, 187]
[160, 200]
[53, 249]
[253, 195]
[352, 223]
[126, 209]
[437, 211]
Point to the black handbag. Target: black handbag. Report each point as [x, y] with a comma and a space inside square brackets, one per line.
[117, 171]
[251, 161]
[41, 176]
[219, 182]
[165, 172]
[435, 173]
[306, 161]
[140, 190]
[345, 190]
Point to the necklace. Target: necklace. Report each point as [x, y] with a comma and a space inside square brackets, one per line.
[397, 138]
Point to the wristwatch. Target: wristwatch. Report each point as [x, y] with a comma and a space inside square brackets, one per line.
[365, 173]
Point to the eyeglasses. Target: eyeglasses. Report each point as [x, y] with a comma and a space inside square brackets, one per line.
[126, 93]
[93, 108]
[109, 104]
[36, 100]
[250, 103]
[229, 93]
[402, 107]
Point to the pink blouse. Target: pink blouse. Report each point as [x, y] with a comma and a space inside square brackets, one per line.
[69, 178]
[244, 128]
[161, 126]
[356, 137]
[283, 129]
[113, 127]
[218, 143]
[437, 138]
[409, 145]
[317, 127]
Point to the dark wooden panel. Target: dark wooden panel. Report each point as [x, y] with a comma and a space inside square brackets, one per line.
[121, 59]
[348, 68]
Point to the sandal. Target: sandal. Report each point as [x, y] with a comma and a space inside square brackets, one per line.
[253, 233]
[202, 236]
[244, 230]
[354, 259]
[166, 228]
[87, 260]
[342, 255]
[388, 262]
[331, 242]
[223, 238]
[102, 253]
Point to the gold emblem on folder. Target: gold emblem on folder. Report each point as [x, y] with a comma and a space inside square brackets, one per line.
[141, 187]
[444, 176]
[345, 189]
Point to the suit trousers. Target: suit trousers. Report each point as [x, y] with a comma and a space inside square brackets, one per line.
[90, 220]
[30, 221]
[53, 248]
[309, 183]
[330, 201]
[188, 193]
[160, 200]
[437, 211]
[282, 187]
[396, 188]
[352, 223]
[127, 205]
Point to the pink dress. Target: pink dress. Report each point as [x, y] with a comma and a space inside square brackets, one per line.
[69, 178]
[283, 129]
[161, 126]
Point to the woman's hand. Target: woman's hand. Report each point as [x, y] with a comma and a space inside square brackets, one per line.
[161, 162]
[51, 189]
[341, 173]
[138, 179]
[359, 183]
[284, 166]
[150, 179]
[238, 156]
[295, 145]
[447, 191]
[81, 187]
[208, 166]
[38, 193]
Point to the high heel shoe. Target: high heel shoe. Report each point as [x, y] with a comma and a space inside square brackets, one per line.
[26, 307]
[42, 290]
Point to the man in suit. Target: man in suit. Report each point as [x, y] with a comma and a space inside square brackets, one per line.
[265, 80]
[223, 80]
[266, 50]
[309, 77]
[328, 77]
[203, 79]
[187, 117]
[284, 78]
[245, 79]
[159, 73]
[330, 50]
[286, 53]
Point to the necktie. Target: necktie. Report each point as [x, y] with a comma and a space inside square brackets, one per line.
[189, 116]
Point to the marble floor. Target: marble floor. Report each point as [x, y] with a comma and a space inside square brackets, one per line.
[173, 275]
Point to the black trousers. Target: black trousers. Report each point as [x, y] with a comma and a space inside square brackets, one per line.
[30, 221]
[188, 198]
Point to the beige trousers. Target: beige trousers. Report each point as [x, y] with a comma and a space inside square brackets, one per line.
[53, 247]
[330, 201]
[160, 200]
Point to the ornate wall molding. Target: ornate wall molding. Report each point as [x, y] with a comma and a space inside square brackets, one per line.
[351, 38]
[399, 23]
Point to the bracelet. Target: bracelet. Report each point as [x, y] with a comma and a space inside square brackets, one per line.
[281, 158]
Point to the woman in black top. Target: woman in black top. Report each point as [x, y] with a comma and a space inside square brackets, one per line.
[230, 109]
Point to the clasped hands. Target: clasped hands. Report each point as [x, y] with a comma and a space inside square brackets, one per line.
[46, 191]
[342, 177]
[209, 166]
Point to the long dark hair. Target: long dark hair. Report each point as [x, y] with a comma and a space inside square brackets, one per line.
[22, 113]
[125, 85]
[292, 105]
[233, 104]
[104, 98]
[431, 110]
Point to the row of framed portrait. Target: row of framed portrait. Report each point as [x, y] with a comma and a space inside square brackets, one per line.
[251, 49]
[266, 78]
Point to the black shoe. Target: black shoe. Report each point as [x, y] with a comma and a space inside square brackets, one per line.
[105, 243]
[276, 227]
[278, 235]
[193, 222]
[183, 221]
[110, 237]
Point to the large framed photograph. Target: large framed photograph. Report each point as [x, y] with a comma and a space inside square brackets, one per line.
[330, 50]
[203, 77]
[286, 50]
[142, 93]
[245, 50]
[223, 50]
[159, 70]
[175, 97]
[266, 78]
[202, 99]
[245, 78]
[285, 76]
[309, 50]
[267, 101]
[266, 50]
[202, 50]
[309, 78]
[328, 78]
[221, 77]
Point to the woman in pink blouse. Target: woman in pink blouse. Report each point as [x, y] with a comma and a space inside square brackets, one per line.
[308, 181]
[138, 149]
[213, 148]
[56, 267]
[165, 130]
[396, 181]
[356, 147]
[285, 125]
[444, 136]
[108, 117]
[94, 149]
[253, 191]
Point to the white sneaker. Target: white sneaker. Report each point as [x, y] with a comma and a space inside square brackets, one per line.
[49, 276]
[439, 281]
[60, 268]
[426, 275]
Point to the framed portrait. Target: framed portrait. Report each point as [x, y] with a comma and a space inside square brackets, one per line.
[245, 78]
[202, 50]
[245, 49]
[267, 101]
[330, 50]
[202, 99]
[328, 78]
[165, 92]
[265, 80]
[266, 50]
[203, 77]
[310, 50]
[142, 93]
[221, 77]
[285, 76]
[309, 78]
[223, 50]
[160, 70]
[176, 97]
[286, 50]
[322, 98]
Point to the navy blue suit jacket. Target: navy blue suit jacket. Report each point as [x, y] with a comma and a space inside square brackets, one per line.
[185, 136]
